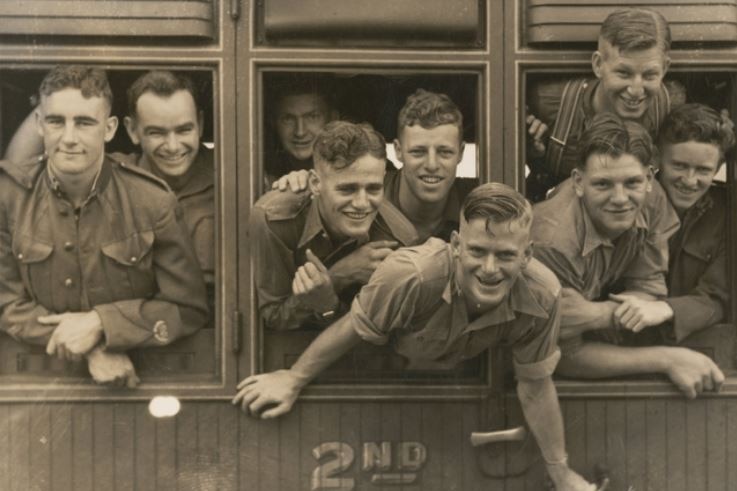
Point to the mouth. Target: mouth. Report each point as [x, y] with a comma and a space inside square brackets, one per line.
[491, 282]
[686, 191]
[302, 144]
[357, 215]
[632, 103]
[431, 179]
[172, 160]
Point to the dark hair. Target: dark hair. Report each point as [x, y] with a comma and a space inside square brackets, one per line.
[636, 29]
[341, 143]
[497, 203]
[91, 81]
[162, 83]
[429, 109]
[699, 123]
[320, 86]
[607, 134]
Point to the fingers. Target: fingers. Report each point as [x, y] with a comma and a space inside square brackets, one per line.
[297, 181]
[50, 319]
[618, 298]
[281, 184]
[51, 346]
[717, 377]
[383, 244]
[311, 257]
[380, 254]
[275, 412]
[133, 381]
[247, 381]
[298, 288]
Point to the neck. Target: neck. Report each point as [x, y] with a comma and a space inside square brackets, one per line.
[419, 212]
[77, 187]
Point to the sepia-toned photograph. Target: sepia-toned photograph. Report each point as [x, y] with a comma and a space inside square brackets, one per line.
[315, 245]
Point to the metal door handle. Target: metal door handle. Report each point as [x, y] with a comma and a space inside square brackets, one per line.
[512, 435]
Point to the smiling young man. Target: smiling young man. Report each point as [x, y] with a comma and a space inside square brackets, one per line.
[694, 141]
[606, 231]
[439, 304]
[97, 260]
[312, 251]
[629, 65]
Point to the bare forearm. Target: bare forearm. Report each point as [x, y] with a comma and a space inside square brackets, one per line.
[600, 360]
[539, 402]
[26, 141]
[579, 315]
[330, 345]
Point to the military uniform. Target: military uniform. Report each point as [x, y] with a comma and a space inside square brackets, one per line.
[452, 212]
[124, 253]
[283, 226]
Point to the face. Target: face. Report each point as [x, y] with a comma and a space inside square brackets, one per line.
[74, 131]
[430, 158]
[349, 198]
[168, 130]
[628, 80]
[489, 260]
[299, 119]
[687, 170]
[613, 190]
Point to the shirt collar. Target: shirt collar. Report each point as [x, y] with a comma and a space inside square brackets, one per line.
[98, 183]
[592, 238]
[313, 224]
[199, 177]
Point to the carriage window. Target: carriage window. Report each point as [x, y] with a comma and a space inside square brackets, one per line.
[296, 106]
[172, 137]
[698, 263]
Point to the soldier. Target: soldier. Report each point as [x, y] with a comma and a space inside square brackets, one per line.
[604, 231]
[694, 141]
[97, 259]
[439, 304]
[313, 250]
[629, 65]
[430, 146]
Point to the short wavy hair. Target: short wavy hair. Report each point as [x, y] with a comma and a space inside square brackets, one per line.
[341, 143]
[636, 29]
[497, 203]
[162, 83]
[608, 134]
[699, 123]
[90, 80]
[429, 110]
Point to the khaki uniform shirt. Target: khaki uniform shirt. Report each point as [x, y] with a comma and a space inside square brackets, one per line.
[413, 303]
[124, 253]
[283, 226]
[697, 275]
[451, 215]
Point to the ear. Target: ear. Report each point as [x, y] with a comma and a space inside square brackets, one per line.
[398, 150]
[650, 175]
[462, 149]
[200, 122]
[455, 243]
[527, 255]
[111, 126]
[313, 181]
[130, 128]
[39, 120]
[577, 178]
[666, 64]
[596, 61]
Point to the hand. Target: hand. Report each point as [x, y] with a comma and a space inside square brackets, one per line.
[296, 181]
[75, 335]
[566, 479]
[358, 266]
[692, 372]
[279, 389]
[635, 314]
[114, 369]
[536, 130]
[313, 286]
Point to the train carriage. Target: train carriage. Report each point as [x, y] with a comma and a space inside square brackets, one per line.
[368, 423]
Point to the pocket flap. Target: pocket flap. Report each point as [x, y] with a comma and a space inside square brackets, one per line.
[130, 250]
[28, 250]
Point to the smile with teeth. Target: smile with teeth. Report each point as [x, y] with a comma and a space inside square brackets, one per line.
[632, 102]
[356, 215]
[492, 281]
[431, 179]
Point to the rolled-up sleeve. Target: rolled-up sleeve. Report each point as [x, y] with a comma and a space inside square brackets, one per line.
[179, 306]
[536, 352]
[388, 301]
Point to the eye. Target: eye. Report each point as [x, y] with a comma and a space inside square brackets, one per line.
[417, 153]
[446, 153]
[506, 256]
[600, 185]
[476, 251]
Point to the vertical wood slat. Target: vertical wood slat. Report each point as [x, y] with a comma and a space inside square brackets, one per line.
[208, 456]
[731, 443]
[309, 420]
[676, 446]
[166, 454]
[268, 449]
[695, 443]
[370, 427]
[39, 442]
[186, 447]
[717, 445]
[470, 475]
[229, 447]
[5, 425]
[103, 453]
[83, 447]
[574, 419]
[145, 458]
[656, 445]
[596, 431]
[636, 449]
[289, 448]
[61, 447]
[249, 457]
[125, 446]
[616, 442]
[19, 449]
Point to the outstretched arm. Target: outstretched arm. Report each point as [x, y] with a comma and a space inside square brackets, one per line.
[26, 142]
[281, 388]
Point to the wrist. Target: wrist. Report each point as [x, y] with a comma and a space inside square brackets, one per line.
[606, 314]
[665, 311]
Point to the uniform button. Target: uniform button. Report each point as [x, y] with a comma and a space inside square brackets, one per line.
[68, 283]
[20, 256]
[68, 246]
[161, 331]
[134, 259]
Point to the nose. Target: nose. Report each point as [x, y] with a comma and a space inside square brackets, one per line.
[636, 88]
[69, 136]
[619, 195]
[300, 129]
[431, 163]
[360, 200]
[489, 266]
[689, 178]
[172, 144]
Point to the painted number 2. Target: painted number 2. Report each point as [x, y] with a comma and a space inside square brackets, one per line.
[324, 476]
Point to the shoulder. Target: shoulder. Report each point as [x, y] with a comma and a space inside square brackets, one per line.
[137, 176]
[21, 174]
[554, 217]
[282, 205]
[428, 265]
[542, 281]
[127, 158]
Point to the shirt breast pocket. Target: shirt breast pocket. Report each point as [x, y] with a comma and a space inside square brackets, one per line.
[129, 265]
[698, 255]
[34, 261]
